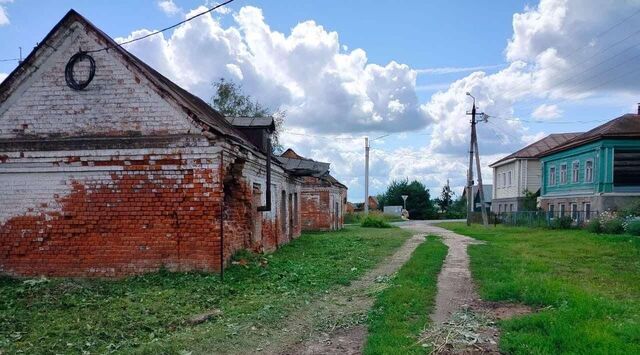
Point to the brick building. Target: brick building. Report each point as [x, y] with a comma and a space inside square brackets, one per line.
[323, 198]
[130, 173]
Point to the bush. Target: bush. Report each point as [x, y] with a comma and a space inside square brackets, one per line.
[613, 226]
[561, 222]
[374, 221]
[352, 217]
[594, 226]
[632, 209]
[633, 228]
[358, 217]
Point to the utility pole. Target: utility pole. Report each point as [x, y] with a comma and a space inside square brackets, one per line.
[473, 150]
[366, 175]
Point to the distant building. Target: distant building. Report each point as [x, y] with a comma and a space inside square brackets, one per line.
[520, 172]
[373, 203]
[323, 198]
[487, 191]
[595, 171]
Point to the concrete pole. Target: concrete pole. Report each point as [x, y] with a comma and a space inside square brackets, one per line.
[366, 175]
[470, 170]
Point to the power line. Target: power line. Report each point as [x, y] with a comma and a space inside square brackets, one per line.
[164, 29]
[577, 50]
[10, 60]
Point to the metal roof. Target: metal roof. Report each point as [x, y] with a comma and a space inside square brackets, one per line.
[304, 166]
[534, 150]
[626, 126]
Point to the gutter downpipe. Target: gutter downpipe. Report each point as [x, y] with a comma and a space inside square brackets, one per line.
[222, 217]
[267, 206]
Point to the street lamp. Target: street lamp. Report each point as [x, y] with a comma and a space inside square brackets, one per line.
[404, 199]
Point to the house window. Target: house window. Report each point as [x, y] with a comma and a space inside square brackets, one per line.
[586, 207]
[574, 211]
[511, 207]
[509, 177]
[563, 173]
[504, 179]
[561, 210]
[551, 210]
[588, 171]
[575, 171]
[552, 175]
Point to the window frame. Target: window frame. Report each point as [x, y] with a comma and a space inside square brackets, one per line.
[552, 175]
[588, 173]
[574, 211]
[575, 171]
[563, 177]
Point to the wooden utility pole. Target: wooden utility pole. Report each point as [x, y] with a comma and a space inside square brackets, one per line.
[473, 150]
[366, 175]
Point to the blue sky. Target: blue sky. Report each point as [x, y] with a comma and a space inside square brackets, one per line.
[364, 68]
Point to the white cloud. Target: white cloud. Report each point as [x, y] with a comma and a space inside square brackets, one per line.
[169, 7]
[326, 88]
[4, 15]
[453, 70]
[306, 72]
[3, 76]
[546, 112]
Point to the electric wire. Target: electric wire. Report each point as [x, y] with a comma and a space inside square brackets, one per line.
[164, 29]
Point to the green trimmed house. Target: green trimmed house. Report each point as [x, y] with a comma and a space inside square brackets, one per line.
[596, 171]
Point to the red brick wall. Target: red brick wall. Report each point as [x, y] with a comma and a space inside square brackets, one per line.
[319, 205]
[148, 215]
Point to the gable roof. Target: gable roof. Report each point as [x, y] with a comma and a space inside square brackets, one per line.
[625, 126]
[487, 190]
[536, 149]
[196, 108]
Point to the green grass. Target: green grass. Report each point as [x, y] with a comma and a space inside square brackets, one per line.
[587, 287]
[145, 314]
[358, 217]
[401, 312]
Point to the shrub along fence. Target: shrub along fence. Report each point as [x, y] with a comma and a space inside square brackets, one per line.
[556, 219]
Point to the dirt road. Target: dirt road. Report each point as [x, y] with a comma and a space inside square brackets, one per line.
[334, 323]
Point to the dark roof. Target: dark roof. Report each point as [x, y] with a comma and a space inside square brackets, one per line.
[487, 190]
[304, 167]
[536, 149]
[301, 166]
[626, 126]
[253, 122]
[195, 107]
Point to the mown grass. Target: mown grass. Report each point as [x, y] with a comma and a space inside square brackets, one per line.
[587, 288]
[401, 311]
[146, 314]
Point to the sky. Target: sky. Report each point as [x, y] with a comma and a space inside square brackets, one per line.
[399, 70]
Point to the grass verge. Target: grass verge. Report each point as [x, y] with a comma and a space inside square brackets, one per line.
[586, 285]
[146, 314]
[401, 311]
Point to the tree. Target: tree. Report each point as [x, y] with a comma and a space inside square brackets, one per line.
[231, 101]
[419, 202]
[446, 198]
[530, 201]
[458, 208]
